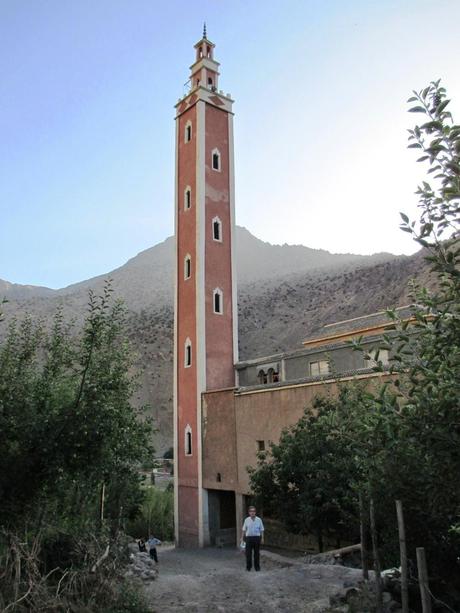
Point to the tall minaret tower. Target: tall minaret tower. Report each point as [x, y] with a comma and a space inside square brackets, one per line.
[205, 326]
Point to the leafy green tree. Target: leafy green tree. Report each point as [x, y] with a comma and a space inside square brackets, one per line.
[307, 478]
[402, 442]
[430, 391]
[67, 426]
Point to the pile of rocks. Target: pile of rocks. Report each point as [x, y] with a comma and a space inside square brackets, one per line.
[361, 597]
[346, 556]
[141, 565]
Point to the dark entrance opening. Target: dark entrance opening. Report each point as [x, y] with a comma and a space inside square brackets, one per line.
[222, 517]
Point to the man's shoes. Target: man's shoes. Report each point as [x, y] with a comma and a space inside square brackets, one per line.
[248, 569]
[257, 569]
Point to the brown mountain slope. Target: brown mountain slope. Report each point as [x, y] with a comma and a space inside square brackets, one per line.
[285, 293]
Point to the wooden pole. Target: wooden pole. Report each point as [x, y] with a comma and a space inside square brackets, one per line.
[362, 531]
[378, 575]
[423, 580]
[102, 502]
[403, 556]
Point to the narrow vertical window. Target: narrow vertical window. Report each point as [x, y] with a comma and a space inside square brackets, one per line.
[188, 131]
[218, 301]
[217, 229]
[188, 353]
[188, 440]
[187, 267]
[187, 198]
[216, 159]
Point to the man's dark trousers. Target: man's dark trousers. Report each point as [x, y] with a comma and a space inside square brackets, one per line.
[253, 545]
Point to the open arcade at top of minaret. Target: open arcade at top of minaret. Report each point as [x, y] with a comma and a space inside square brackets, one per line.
[205, 329]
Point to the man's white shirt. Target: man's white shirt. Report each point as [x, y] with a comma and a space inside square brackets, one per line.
[253, 527]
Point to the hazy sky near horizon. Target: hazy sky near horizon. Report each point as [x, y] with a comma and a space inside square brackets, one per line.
[87, 91]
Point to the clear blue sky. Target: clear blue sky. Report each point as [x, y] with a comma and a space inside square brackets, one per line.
[87, 91]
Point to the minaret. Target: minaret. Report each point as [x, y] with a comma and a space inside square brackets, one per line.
[205, 325]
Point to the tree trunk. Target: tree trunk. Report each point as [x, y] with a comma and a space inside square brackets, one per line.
[403, 555]
[363, 536]
[320, 540]
[378, 576]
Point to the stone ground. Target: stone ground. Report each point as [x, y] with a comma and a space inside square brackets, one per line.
[216, 580]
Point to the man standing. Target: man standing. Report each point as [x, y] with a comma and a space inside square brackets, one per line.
[152, 543]
[253, 536]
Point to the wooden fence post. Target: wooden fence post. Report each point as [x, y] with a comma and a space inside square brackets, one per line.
[403, 555]
[102, 504]
[378, 575]
[362, 531]
[423, 580]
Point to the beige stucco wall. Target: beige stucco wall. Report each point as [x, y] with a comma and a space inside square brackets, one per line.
[234, 422]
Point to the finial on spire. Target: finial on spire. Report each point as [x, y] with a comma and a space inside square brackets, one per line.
[204, 29]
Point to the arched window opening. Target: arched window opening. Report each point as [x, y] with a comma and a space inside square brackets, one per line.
[187, 198]
[216, 159]
[262, 376]
[210, 81]
[217, 229]
[188, 440]
[272, 376]
[218, 301]
[187, 267]
[188, 353]
[188, 131]
[208, 51]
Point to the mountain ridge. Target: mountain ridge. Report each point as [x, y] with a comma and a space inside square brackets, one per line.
[285, 293]
[245, 239]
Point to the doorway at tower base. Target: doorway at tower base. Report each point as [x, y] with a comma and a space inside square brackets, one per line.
[222, 518]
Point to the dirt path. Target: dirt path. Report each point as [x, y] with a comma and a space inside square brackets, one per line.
[215, 580]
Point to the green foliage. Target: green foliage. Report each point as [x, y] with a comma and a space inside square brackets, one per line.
[402, 442]
[66, 422]
[169, 454]
[305, 479]
[70, 438]
[156, 516]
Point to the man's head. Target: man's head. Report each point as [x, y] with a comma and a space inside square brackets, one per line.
[252, 511]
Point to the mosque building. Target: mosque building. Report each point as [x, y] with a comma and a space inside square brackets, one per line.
[225, 411]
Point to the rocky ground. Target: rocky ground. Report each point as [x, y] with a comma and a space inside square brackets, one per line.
[215, 580]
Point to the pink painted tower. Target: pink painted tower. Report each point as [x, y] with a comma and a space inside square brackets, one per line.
[205, 327]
